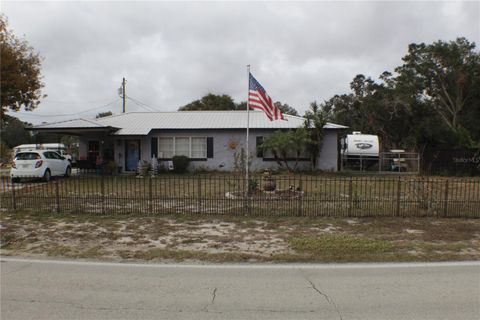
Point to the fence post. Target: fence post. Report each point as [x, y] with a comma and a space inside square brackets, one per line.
[14, 200]
[102, 190]
[350, 197]
[199, 194]
[300, 198]
[248, 204]
[399, 189]
[57, 196]
[150, 195]
[445, 200]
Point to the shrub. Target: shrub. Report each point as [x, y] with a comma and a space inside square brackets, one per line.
[111, 168]
[252, 185]
[180, 164]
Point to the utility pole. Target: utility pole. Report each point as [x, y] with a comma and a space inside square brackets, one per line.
[123, 94]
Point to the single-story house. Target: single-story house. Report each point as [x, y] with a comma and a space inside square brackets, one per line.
[213, 140]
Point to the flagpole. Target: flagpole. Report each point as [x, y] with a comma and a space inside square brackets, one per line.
[248, 127]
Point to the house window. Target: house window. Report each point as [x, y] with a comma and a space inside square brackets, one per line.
[199, 148]
[182, 146]
[192, 147]
[165, 148]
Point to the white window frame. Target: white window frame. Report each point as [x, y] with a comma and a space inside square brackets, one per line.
[189, 145]
[161, 150]
[205, 144]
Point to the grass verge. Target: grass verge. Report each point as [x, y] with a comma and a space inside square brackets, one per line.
[238, 238]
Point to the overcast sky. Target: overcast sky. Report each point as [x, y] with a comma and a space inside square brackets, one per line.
[172, 53]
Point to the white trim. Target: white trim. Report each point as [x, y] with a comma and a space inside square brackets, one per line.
[174, 145]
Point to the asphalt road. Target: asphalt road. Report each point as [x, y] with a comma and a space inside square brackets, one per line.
[70, 290]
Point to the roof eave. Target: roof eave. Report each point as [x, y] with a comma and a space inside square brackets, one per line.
[74, 130]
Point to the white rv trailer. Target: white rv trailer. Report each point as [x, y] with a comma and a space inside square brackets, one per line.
[360, 152]
[358, 144]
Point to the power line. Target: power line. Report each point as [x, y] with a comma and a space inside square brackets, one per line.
[68, 114]
[143, 105]
[47, 100]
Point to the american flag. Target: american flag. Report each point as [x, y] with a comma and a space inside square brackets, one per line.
[259, 99]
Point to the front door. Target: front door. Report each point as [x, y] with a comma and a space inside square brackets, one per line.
[92, 153]
[132, 154]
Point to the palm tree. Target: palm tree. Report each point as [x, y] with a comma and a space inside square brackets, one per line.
[315, 119]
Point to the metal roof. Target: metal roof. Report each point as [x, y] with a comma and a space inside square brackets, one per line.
[141, 123]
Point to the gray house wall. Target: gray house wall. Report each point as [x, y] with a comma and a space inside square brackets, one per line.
[327, 160]
[223, 153]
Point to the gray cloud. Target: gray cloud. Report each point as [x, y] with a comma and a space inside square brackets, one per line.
[173, 53]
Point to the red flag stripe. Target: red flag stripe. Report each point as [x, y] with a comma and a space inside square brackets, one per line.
[259, 99]
[257, 102]
[265, 103]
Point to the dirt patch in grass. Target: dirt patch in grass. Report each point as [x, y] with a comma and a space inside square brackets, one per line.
[239, 239]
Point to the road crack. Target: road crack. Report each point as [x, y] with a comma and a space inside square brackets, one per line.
[214, 295]
[329, 300]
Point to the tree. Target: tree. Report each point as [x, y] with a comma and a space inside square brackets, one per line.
[446, 77]
[385, 109]
[242, 105]
[432, 102]
[211, 102]
[286, 109]
[287, 145]
[103, 114]
[20, 72]
[315, 120]
[71, 143]
[13, 132]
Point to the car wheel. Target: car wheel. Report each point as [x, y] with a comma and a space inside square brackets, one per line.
[68, 172]
[47, 175]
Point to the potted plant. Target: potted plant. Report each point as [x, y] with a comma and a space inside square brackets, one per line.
[269, 183]
[252, 186]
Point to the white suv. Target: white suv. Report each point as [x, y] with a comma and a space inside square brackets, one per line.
[39, 164]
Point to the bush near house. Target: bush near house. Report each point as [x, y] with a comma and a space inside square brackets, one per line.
[180, 164]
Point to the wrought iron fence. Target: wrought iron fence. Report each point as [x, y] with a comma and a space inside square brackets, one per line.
[296, 195]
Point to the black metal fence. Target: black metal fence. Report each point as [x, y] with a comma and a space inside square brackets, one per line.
[331, 196]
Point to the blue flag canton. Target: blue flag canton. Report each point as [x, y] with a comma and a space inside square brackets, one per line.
[254, 85]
